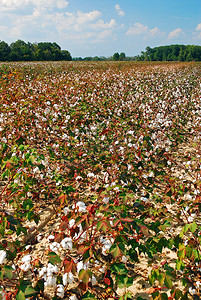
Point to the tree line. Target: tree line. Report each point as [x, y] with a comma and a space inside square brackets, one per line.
[46, 51]
[21, 51]
[115, 57]
[171, 53]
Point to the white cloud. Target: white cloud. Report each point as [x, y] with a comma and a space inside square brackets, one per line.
[137, 29]
[141, 29]
[87, 17]
[46, 24]
[119, 10]
[155, 31]
[198, 28]
[16, 4]
[175, 33]
[100, 24]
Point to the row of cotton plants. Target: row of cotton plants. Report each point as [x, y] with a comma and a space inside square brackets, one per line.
[100, 166]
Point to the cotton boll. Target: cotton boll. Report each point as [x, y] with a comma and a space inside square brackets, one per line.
[73, 297]
[52, 269]
[2, 257]
[93, 280]
[198, 284]
[68, 278]
[71, 223]
[50, 238]
[81, 265]
[106, 200]
[54, 246]
[80, 206]
[67, 243]
[39, 237]
[66, 210]
[25, 267]
[60, 290]
[42, 271]
[26, 258]
[50, 281]
[106, 246]
[90, 174]
[192, 291]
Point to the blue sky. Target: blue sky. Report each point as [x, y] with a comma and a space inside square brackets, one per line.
[89, 28]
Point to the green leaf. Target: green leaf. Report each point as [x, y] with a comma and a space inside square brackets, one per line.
[119, 269]
[181, 253]
[168, 282]
[115, 250]
[178, 294]
[88, 296]
[124, 282]
[186, 227]
[8, 272]
[193, 227]
[53, 258]
[151, 279]
[85, 275]
[133, 255]
[164, 296]
[30, 291]
[189, 252]
[179, 264]
[20, 296]
[161, 278]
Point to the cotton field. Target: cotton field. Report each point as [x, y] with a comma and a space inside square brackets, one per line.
[100, 170]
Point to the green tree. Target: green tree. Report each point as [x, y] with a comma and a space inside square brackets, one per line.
[4, 51]
[116, 56]
[20, 51]
[66, 55]
[122, 56]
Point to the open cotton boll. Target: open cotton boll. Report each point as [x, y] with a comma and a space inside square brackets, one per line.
[93, 280]
[66, 210]
[67, 278]
[50, 238]
[42, 271]
[25, 267]
[192, 291]
[71, 223]
[80, 206]
[2, 257]
[60, 290]
[50, 281]
[52, 269]
[73, 297]
[67, 243]
[26, 258]
[90, 174]
[106, 245]
[54, 246]
[81, 265]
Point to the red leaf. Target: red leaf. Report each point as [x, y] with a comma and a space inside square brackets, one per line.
[107, 281]
[63, 225]
[68, 264]
[82, 286]
[59, 237]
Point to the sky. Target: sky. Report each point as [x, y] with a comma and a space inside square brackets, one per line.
[101, 28]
